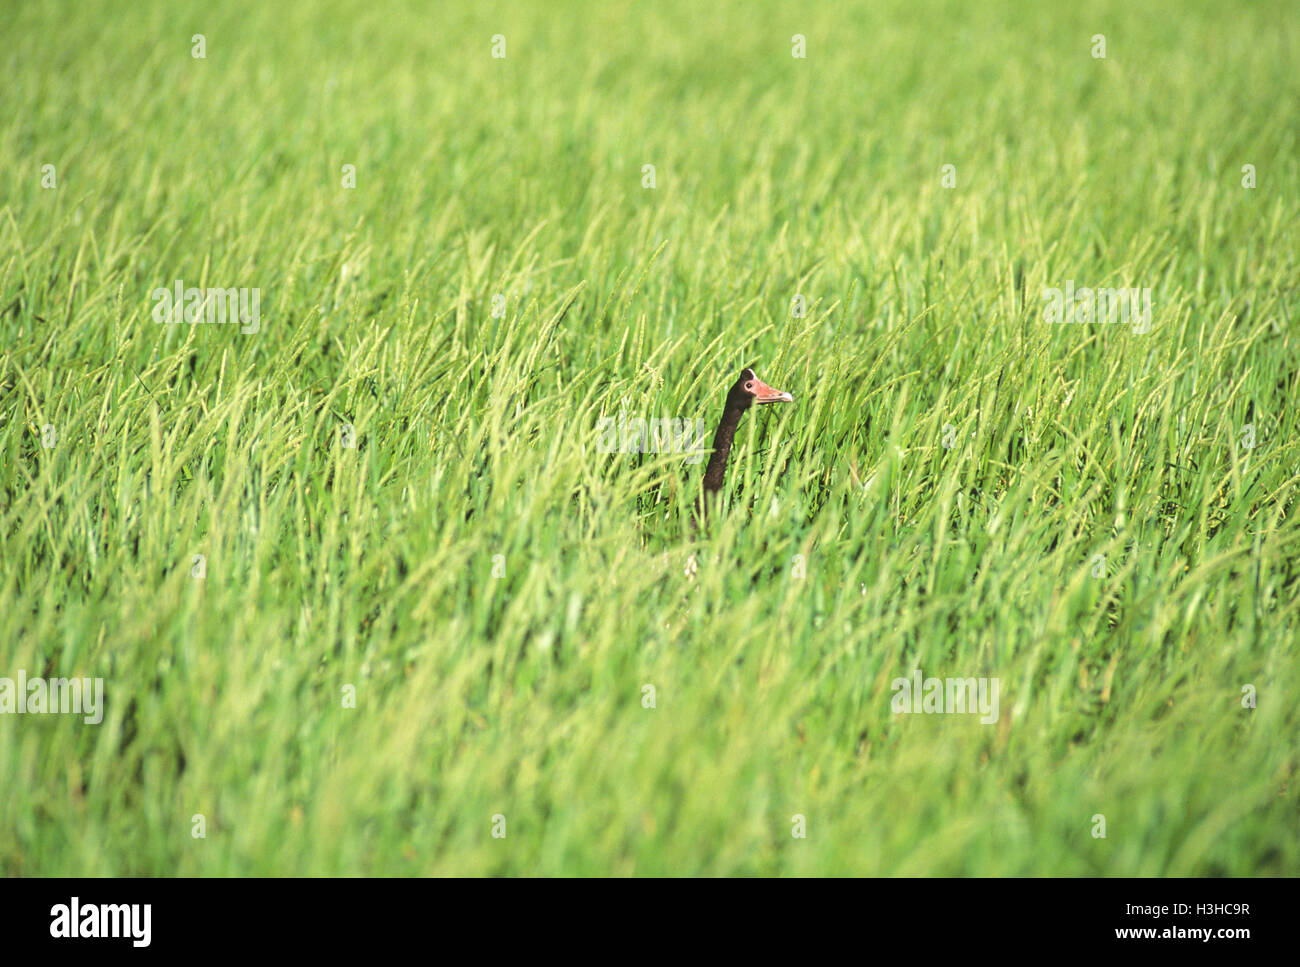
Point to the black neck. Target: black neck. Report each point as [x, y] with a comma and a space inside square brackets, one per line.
[716, 471]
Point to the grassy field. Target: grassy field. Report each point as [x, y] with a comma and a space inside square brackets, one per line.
[429, 651]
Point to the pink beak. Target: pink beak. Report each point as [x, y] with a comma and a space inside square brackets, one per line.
[765, 394]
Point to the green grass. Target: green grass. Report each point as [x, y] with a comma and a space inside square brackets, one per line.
[521, 694]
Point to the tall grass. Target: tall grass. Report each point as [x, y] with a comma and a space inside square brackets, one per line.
[1101, 519]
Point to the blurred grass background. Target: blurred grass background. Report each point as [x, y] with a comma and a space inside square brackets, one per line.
[522, 694]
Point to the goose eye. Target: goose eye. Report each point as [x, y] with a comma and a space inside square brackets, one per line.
[750, 387]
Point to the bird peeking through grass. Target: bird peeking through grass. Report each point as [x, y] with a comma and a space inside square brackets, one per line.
[747, 391]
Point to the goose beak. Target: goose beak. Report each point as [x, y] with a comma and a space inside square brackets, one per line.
[765, 394]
